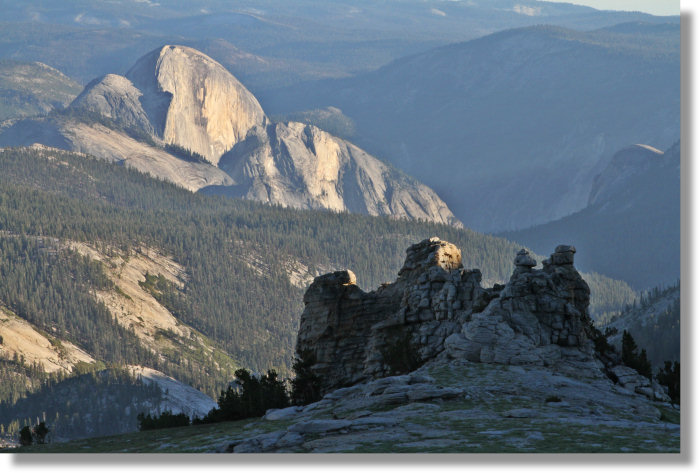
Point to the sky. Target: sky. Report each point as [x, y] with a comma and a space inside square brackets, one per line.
[655, 7]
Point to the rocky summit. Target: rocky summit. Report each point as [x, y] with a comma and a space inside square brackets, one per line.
[438, 308]
[435, 362]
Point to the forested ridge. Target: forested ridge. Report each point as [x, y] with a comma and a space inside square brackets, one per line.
[654, 320]
[116, 397]
[74, 197]
[245, 305]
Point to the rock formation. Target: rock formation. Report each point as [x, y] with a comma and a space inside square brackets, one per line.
[194, 102]
[114, 97]
[437, 309]
[301, 166]
[537, 316]
[178, 96]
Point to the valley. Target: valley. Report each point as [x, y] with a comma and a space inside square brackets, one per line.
[203, 206]
[175, 272]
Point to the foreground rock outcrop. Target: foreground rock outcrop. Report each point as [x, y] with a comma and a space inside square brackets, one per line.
[436, 363]
[437, 309]
[454, 406]
[446, 406]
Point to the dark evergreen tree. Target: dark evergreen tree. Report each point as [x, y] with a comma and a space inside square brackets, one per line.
[633, 359]
[249, 396]
[40, 432]
[643, 364]
[306, 386]
[25, 436]
[165, 420]
[670, 376]
[629, 349]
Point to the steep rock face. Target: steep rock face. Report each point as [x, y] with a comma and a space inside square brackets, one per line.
[301, 166]
[194, 102]
[115, 97]
[437, 308]
[176, 95]
[538, 315]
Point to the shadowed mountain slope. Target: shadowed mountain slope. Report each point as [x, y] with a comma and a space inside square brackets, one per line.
[512, 128]
[630, 228]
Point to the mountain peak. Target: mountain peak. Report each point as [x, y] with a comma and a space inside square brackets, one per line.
[177, 107]
[114, 96]
[193, 101]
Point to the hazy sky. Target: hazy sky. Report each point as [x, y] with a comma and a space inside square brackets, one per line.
[655, 7]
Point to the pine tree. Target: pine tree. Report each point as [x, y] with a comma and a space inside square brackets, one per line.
[670, 376]
[305, 385]
[629, 349]
[25, 436]
[631, 358]
[40, 431]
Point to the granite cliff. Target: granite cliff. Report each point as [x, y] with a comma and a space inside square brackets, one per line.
[179, 115]
[301, 166]
[193, 101]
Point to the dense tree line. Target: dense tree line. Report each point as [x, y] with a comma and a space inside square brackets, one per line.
[51, 288]
[670, 376]
[163, 420]
[654, 320]
[89, 405]
[18, 377]
[248, 395]
[185, 153]
[29, 435]
[634, 358]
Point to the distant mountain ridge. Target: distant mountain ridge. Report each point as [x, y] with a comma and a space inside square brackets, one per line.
[32, 88]
[632, 219]
[524, 119]
[272, 43]
[177, 113]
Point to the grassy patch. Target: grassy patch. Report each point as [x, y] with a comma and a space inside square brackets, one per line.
[121, 292]
[669, 415]
[194, 438]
